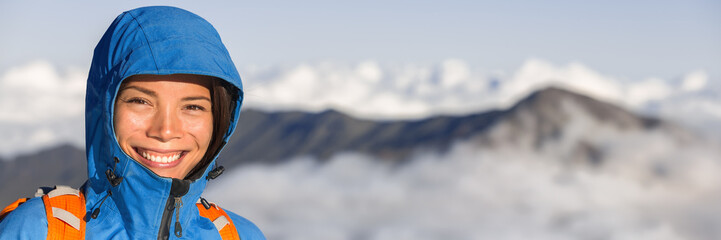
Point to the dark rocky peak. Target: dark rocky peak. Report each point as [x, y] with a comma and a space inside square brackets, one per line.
[554, 105]
[574, 127]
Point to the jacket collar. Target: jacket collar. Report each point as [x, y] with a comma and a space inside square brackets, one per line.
[141, 196]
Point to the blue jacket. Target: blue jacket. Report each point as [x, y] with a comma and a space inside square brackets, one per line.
[149, 40]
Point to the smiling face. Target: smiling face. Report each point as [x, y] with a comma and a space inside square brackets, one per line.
[164, 122]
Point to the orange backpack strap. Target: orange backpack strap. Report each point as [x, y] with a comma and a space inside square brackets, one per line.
[65, 209]
[12, 207]
[220, 218]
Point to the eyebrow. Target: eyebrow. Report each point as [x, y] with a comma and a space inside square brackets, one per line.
[143, 90]
[195, 98]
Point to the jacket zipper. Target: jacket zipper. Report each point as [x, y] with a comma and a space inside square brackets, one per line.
[178, 228]
[177, 190]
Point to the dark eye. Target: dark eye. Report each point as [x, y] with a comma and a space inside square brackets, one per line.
[137, 100]
[195, 108]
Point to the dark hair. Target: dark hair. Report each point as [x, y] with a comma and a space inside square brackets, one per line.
[223, 100]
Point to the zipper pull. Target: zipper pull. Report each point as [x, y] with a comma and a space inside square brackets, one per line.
[178, 228]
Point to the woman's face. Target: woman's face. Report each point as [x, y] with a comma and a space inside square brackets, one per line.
[164, 122]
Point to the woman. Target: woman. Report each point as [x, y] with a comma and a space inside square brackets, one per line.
[163, 97]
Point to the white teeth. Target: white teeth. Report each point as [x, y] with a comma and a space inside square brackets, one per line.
[160, 159]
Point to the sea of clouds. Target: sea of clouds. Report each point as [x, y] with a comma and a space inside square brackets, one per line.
[476, 193]
[648, 187]
[41, 105]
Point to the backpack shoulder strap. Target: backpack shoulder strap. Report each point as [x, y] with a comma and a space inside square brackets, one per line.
[12, 207]
[65, 210]
[220, 219]
[9, 208]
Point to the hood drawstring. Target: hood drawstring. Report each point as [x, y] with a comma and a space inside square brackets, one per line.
[205, 203]
[212, 175]
[97, 210]
[110, 174]
[215, 172]
[114, 181]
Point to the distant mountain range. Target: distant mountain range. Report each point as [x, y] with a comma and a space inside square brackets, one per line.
[546, 120]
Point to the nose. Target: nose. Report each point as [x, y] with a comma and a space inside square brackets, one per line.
[165, 125]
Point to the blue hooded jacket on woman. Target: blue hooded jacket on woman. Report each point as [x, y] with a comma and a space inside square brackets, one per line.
[149, 40]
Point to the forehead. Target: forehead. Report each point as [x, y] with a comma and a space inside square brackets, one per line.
[161, 83]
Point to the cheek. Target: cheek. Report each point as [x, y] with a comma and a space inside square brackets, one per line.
[126, 123]
[201, 129]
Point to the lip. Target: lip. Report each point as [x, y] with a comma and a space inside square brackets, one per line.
[152, 164]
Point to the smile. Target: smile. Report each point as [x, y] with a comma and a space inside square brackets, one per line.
[158, 157]
[161, 159]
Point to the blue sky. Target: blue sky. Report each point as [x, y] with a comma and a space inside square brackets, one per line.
[632, 40]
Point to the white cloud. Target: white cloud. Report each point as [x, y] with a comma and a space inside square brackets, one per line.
[535, 74]
[371, 90]
[453, 72]
[653, 89]
[368, 89]
[475, 193]
[40, 107]
[694, 81]
[37, 92]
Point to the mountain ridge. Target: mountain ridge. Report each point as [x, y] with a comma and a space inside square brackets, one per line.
[539, 122]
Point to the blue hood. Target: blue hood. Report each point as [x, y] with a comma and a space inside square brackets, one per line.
[149, 40]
